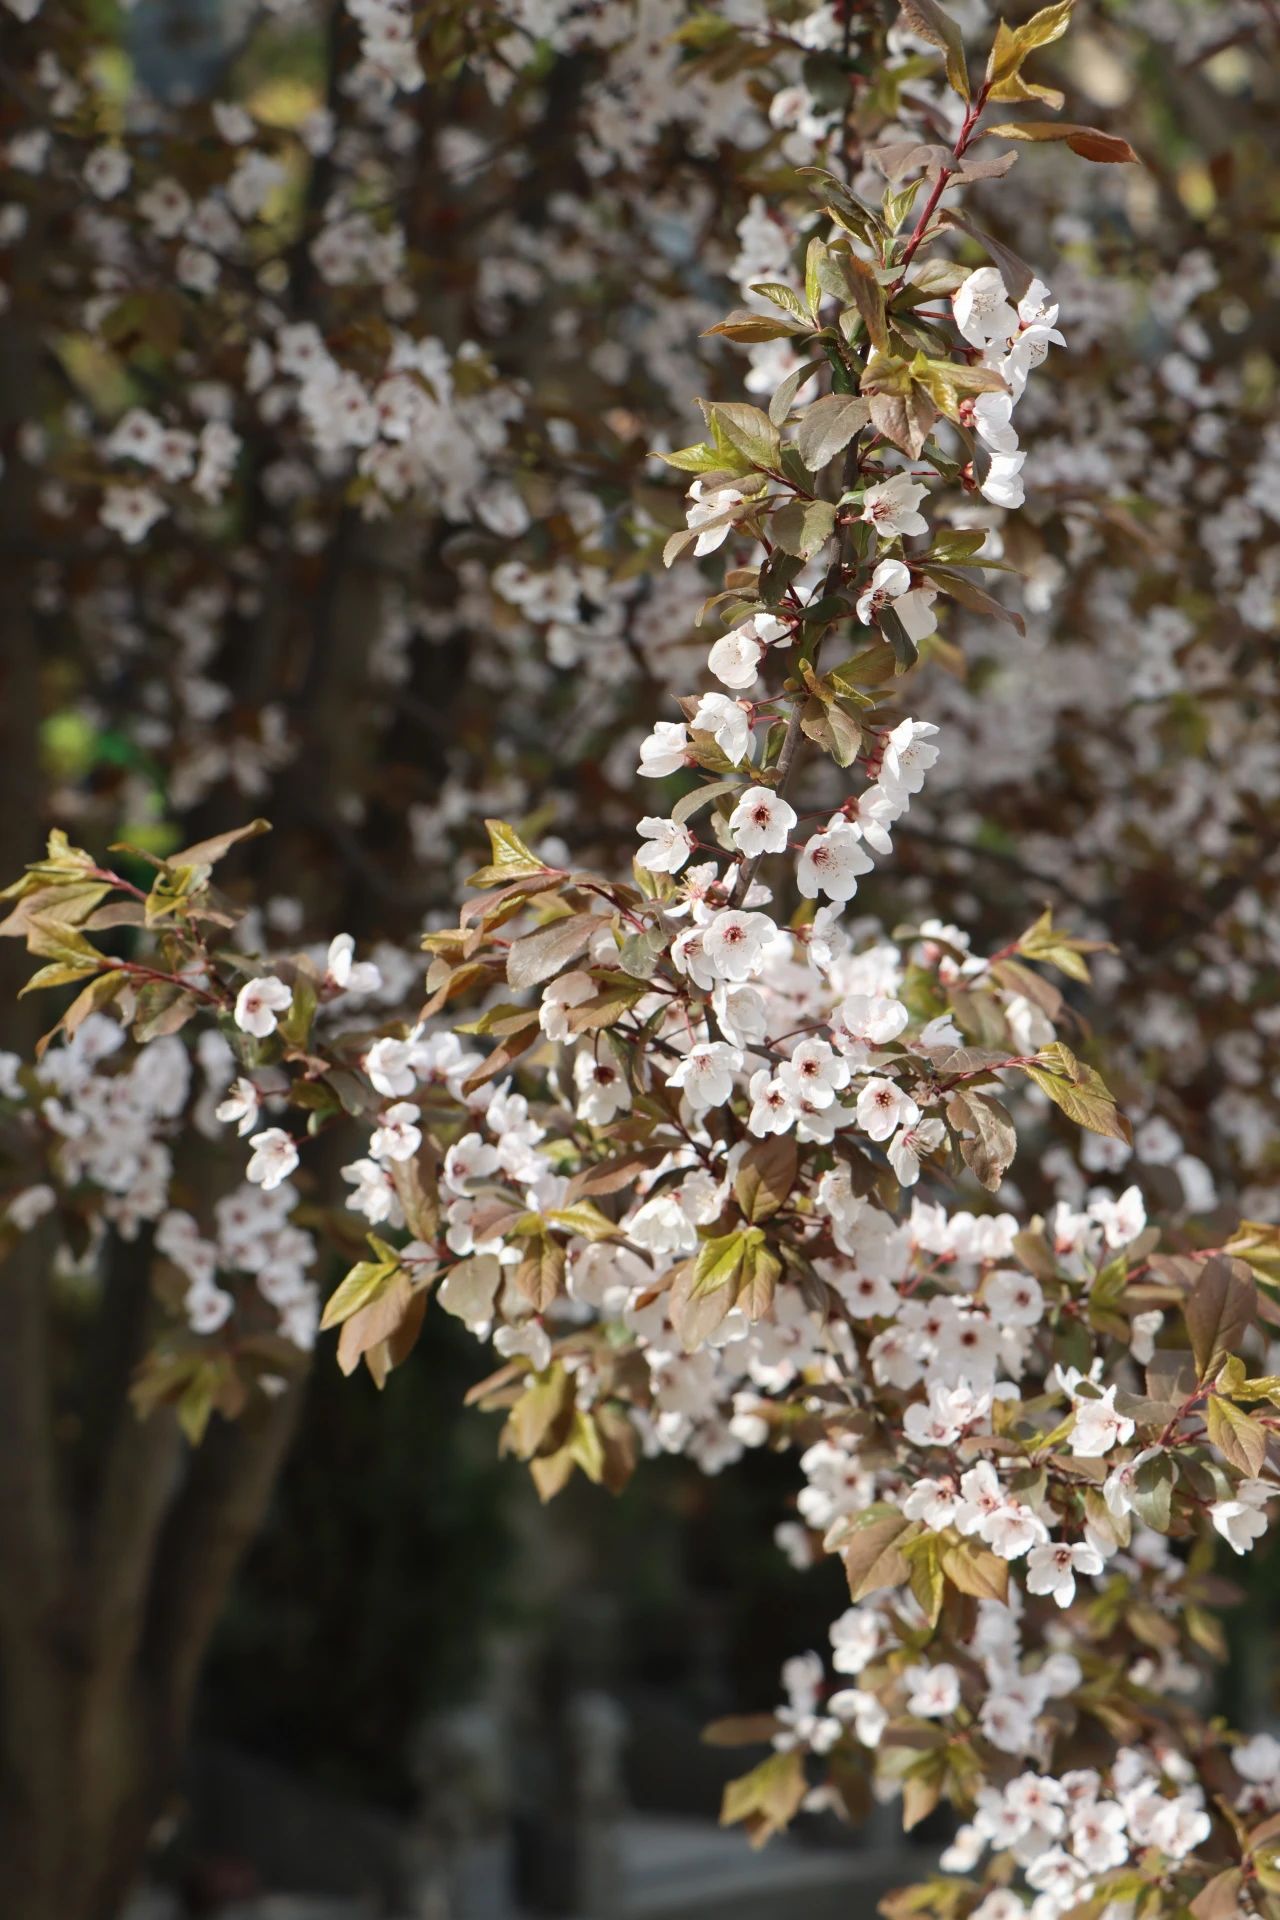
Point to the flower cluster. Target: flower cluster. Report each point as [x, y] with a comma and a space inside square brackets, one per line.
[691, 1163]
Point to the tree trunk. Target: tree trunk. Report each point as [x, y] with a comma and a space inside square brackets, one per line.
[98, 1666]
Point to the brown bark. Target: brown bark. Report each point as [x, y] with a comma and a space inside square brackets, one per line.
[100, 1654]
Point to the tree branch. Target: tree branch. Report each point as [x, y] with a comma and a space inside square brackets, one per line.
[210, 1527]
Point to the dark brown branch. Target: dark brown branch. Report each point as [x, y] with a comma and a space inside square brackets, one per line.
[213, 1521]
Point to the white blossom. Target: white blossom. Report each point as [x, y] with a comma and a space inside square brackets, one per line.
[892, 507]
[883, 1106]
[258, 1003]
[1052, 1569]
[273, 1159]
[761, 822]
[670, 844]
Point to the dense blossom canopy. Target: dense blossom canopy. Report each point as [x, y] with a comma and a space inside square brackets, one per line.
[708, 1122]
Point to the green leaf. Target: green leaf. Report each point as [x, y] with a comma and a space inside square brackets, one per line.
[740, 1730]
[1012, 46]
[295, 1028]
[55, 975]
[1239, 1438]
[924, 1556]
[814, 259]
[1151, 1492]
[1017, 275]
[871, 1551]
[720, 1260]
[584, 1446]
[934, 24]
[767, 1798]
[585, 1218]
[900, 409]
[540, 1418]
[905, 650]
[751, 328]
[868, 297]
[1220, 1899]
[960, 587]
[748, 430]
[207, 853]
[781, 403]
[803, 526]
[989, 1154]
[1219, 1310]
[1087, 1103]
[975, 1570]
[825, 722]
[1089, 142]
[828, 426]
[761, 1272]
[704, 458]
[766, 1174]
[540, 1275]
[540, 955]
[363, 1284]
[509, 857]
[782, 296]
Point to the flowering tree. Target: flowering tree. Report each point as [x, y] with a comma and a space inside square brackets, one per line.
[671, 1161]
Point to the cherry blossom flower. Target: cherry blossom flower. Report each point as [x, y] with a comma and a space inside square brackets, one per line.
[832, 862]
[705, 1075]
[727, 722]
[761, 822]
[1002, 483]
[107, 172]
[258, 1003]
[992, 414]
[397, 1135]
[347, 973]
[863, 1711]
[933, 1692]
[559, 997]
[883, 1106]
[773, 1109]
[713, 514]
[1052, 1569]
[1241, 1522]
[131, 512]
[982, 310]
[733, 943]
[1098, 1426]
[602, 1088]
[273, 1159]
[890, 586]
[892, 507]
[1013, 1298]
[664, 751]
[910, 1145]
[1121, 1220]
[670, 844]
[388, 1064]
[241, 1104]
[735, 658]
[909, 753]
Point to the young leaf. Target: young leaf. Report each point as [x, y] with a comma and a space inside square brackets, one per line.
[1219, 1310]
[828, 426]
[934, 24]
[1089, 142]
[751, 432]
[509, 857]
[766, 1174]
[539, 955]
[1239, 1438]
